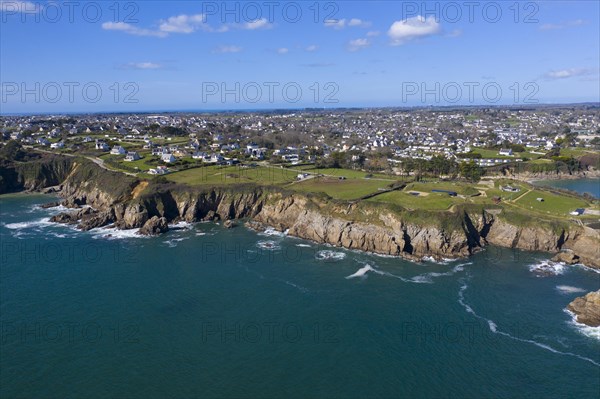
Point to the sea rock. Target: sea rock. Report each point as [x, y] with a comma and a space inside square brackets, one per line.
[587, 309]
[134, 216]
[71, 217]
[229, 224]
[154, 226]
[100, 219]
[211, 216]
[566, 257]
[50, 205]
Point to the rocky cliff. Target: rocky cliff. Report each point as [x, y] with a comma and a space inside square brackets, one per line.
[127, 203]
[587, 309]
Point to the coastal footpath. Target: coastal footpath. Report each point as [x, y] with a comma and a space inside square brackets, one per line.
[104, 198]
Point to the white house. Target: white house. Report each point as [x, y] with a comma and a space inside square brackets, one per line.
[118, 150]
[507, 152]
[58, 145]
[168, 158]
[43, 141]
[102, 146]
[132, 156]
[160, 170]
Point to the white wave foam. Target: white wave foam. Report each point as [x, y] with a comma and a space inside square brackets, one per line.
[330, 255]
[115, 234]
[587, 268]
[44, 222]
[588, 331]
[172, 243]
[567, 289]
[428, 277]
[181, 225]
[548, 268]
[303, 245]
[269, 231]
[494, 329]
[362, 272]
[443, 261]
[268, 245]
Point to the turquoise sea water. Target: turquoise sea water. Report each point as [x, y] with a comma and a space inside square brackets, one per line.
[581, 186]
[209, 312]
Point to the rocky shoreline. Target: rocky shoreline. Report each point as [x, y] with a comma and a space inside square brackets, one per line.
[102, 198]
[379, 231]
[587, 309]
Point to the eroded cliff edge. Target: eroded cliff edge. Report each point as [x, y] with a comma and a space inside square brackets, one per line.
[110, 198]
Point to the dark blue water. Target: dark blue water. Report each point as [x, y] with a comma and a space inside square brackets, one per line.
[210, 312]
[591, 186]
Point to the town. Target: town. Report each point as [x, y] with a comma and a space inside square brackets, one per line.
[380, 140]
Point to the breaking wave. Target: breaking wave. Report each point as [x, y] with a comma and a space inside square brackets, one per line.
[547, 268]
[567, 289]
[268, 245]
[330, 255]
[494, 328]
[592, 332]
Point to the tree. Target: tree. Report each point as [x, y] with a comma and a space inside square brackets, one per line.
[470, 171]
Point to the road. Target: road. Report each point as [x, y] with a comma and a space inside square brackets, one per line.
[96, 160]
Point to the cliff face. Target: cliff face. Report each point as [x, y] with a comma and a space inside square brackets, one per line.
[34, 175]
[587, 309]
[130, 203]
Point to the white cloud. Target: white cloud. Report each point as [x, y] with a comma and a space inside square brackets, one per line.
[227, 49]
[359, 23]
[358, 44]
[283, 50]
[563, 25]
[132, 30]
[19, 7]
[184, 24]
[412, 28]
[258, 24]
[312, 47]
[569, 73]
[143, 65]
[342, 23]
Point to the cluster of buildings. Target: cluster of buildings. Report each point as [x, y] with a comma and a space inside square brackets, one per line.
[303, 136]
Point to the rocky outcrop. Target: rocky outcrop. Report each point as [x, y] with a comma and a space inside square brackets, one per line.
[97, 219]
[72, 217]
[567, 257]
[587, 309]
[113, 198]
[154, 226]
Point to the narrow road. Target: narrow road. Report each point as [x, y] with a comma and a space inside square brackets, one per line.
[96, 160]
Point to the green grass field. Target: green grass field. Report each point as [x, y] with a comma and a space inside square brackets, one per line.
[557, 205]
[432, 202]
[220, 175]
[349, 189]
[347, 173]
[460, 188]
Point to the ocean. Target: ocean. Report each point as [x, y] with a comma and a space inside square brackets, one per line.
[590, 186]
[204, 311]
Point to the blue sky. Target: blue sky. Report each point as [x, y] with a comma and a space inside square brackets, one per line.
[194, 55]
